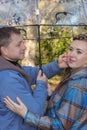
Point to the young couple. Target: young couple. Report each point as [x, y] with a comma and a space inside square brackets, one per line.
[67, 106]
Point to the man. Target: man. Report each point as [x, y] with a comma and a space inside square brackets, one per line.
[16, 80]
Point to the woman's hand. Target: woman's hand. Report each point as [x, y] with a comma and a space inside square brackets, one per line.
[63, 61]
[19, 108]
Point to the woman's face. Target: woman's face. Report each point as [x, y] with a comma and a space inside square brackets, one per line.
[77, 56]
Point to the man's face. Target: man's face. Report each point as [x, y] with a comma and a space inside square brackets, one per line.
[77, 56]
[16, 49]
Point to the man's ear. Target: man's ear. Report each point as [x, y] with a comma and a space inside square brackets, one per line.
[3, 50]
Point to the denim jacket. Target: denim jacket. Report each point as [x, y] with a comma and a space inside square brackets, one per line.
[15, 82]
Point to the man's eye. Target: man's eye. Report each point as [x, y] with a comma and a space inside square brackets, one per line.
[19, 44]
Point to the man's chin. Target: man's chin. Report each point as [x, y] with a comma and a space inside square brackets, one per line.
[21, 58]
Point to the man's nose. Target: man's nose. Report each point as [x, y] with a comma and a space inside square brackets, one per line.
[23, 46]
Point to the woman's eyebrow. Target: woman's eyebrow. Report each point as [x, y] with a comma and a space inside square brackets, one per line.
[84, 51]
[78, 49]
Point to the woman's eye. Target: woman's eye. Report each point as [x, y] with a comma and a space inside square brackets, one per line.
[70, 49]
[79, 52]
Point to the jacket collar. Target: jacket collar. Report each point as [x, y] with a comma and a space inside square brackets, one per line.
[6, 65]
[79, 73]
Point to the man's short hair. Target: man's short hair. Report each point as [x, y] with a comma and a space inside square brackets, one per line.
[5, 35]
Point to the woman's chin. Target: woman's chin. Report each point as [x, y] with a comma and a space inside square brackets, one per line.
[71, 66]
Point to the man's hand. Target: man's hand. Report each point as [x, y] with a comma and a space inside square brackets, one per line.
[42, 76]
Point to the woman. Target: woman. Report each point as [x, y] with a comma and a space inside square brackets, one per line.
[67, 106]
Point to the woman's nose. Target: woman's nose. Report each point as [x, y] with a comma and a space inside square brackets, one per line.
[72, 54]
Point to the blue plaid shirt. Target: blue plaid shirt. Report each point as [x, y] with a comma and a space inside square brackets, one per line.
[67, 108]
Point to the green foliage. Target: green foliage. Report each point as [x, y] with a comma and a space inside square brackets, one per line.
[56, 42]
